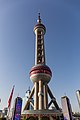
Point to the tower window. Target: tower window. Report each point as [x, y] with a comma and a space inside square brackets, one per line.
[39, 46]
[39, 32]
[39, 41]
[39, 36]
[39, 59]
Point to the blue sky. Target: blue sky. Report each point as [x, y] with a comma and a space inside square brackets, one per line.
[62, 44]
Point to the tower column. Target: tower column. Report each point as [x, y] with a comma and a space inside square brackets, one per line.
[36, 96]
[45, 97]
[36, 48]
[40, 94]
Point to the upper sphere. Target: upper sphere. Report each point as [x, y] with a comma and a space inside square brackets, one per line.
[39, 25]
[40, 72]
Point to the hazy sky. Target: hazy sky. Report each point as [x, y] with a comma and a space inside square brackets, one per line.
[62, 44]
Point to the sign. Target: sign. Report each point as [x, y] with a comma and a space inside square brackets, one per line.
[18, 106]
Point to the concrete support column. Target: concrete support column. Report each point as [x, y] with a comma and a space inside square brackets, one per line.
[45, 97]
[40, 94]
[36, 96]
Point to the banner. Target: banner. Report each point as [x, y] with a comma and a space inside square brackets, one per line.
[10, 98]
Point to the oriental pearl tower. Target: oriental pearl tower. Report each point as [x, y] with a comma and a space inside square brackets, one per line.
[40, 75]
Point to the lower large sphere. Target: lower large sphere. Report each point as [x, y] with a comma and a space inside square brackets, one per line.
[40, 72]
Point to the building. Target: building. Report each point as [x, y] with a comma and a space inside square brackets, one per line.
[76, 116]
[40, 75]
[0, 113]
[78, 96]
[25, 98]
[4, 112]
[66, 108]
[16, 112]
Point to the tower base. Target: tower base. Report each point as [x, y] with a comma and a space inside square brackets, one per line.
[42, 115]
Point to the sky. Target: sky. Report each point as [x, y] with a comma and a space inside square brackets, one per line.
[62, 46]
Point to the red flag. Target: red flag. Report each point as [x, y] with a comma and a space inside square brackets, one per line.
[10, 98]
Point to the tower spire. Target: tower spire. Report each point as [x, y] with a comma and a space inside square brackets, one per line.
[39, 19]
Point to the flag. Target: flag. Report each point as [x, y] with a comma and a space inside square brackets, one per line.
[10, 98]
